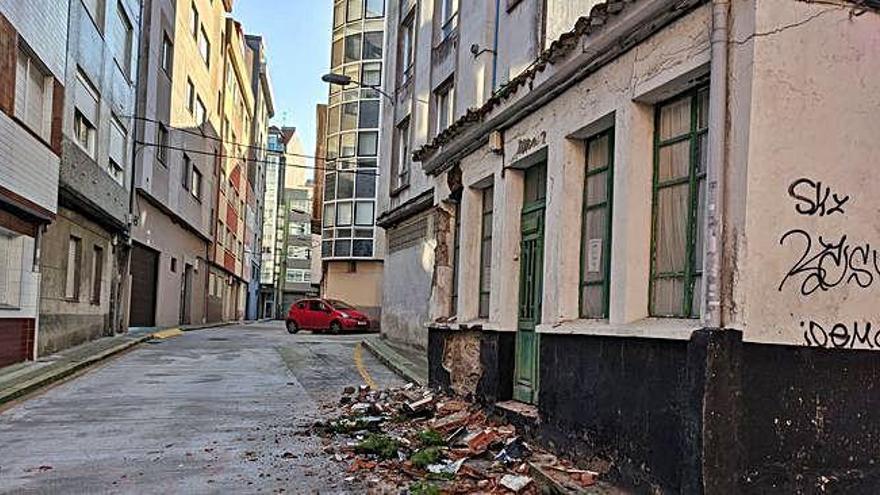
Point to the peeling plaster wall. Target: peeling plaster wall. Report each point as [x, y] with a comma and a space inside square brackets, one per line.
[808, 274]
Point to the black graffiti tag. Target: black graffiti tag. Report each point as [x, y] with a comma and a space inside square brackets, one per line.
[841, 335]
[812, 198]
[824, 265]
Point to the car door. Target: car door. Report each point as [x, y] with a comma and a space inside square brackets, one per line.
[321, 314]
[301, 314]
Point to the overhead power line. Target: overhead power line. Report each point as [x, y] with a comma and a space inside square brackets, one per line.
[369, 171]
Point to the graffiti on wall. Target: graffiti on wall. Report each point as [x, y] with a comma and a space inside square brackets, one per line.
[824, 263]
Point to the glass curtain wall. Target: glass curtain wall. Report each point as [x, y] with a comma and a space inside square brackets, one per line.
[353, 131]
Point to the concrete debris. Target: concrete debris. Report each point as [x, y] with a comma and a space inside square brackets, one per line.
[515, 483]
[427, 442]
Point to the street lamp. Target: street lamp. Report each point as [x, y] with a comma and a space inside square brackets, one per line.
[343, 80]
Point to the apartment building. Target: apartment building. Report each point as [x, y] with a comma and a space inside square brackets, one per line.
[628, 211]
[264, 109]
[352, 246]
[177, 161]
[85, 252]
[270, 253]
[33, 51]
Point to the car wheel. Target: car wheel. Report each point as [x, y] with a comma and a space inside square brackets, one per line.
[335, 328]
[292, 327]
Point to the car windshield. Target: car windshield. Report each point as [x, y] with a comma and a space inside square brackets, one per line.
[339, 304]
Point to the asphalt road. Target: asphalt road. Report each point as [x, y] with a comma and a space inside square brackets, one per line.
[213, 411]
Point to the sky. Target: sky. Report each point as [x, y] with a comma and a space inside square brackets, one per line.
[297, 37]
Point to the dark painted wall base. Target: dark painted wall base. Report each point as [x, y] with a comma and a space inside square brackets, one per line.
[707, 415]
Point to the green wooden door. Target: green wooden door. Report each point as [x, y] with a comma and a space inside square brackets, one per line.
[531, 283]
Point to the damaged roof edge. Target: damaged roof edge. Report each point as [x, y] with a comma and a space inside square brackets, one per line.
[411, 207]
[472, 130]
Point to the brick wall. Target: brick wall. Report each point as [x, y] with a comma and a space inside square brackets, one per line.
[16, 340]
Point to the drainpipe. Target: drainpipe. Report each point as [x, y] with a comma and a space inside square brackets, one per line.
[495, 45]
[718, 93]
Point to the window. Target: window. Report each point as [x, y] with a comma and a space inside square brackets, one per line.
[345, 185]
[373, 45]
[486, 251]
[681, 132]
[123, 40]
[596, 227]
[11, 246]
[456, 251]
[299, 252]
[201, 112]
[365, 184]
[173, 264]
[74, 262]
[363, 213]
[372, 74]
[299, 228]
[196, 183]
[84, 133]
[448, 17]
[336, 57]
[204, 45]
[445, 102]
[406, 47]
[375, 8]
[97, 273]
[33, 95]
[194, 22]
[167, 54]
[190, 96]
[368, 143]
[117, 151]
[355, 10]
[369, 115]
[339, 14]
[162, 143]
[185, 171]
[298, 275]
[400, 174]
[343, 214]
[95, 8]
[352, 48]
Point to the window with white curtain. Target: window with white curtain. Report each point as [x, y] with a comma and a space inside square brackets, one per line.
[33, 94]
[679, 194]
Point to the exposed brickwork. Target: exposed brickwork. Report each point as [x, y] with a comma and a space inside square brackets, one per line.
[16, 340]
[8, 44]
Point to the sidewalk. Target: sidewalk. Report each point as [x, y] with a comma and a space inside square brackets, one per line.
[411, 364]
[23, 378]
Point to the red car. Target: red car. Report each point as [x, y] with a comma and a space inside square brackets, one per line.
[325, 314]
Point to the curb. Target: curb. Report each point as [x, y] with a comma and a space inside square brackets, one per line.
[62, 372]
[397, 363]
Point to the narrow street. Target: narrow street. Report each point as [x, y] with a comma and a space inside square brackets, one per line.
[214, 411]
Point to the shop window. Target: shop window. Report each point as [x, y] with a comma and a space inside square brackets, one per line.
[681, 133]
[596, 227]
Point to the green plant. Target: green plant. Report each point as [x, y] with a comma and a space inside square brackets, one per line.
[382, 446]
[423, 488]
[423, 458]
[431, 438]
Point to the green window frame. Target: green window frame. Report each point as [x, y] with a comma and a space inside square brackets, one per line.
[596, 226]
[456, 249]
[680, 156]
[486, 250]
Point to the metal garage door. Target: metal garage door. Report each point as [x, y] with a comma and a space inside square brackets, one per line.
[144, 270]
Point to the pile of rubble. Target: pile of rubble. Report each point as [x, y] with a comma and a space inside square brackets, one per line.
[412, 440]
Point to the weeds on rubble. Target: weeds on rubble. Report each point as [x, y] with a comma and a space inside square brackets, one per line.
[425, 457]
[431, 438]
[379, 445]
[424, 488]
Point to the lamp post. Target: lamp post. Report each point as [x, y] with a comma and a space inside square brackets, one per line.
[343, 80]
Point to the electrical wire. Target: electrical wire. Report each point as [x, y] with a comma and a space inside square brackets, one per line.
[367, 172]
[248, 146]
